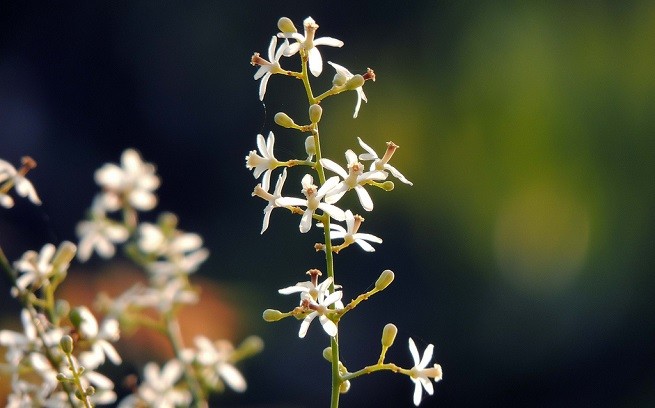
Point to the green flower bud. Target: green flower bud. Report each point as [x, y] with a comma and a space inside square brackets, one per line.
[355, 82]
[339, 79]
[66, 344]
[167, 222]
[62, 307]
[344, 387]
[64, 255]
[389, 335]
[315, 112]
[272, 315]
[286, 25]
[61, 377]
[387, 185]
[385, 279]
[284, 120]
[327, 354]
[75, 317]
[310, 146]
[251, 345]
[90, 390]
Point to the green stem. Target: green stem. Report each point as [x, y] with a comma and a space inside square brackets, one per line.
[78, 383]
[174, 335]
[374, 368]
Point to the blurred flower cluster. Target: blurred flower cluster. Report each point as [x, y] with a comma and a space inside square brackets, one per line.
[56, 359]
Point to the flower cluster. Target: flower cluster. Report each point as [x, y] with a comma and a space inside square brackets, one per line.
[54, 361]
[321, 197]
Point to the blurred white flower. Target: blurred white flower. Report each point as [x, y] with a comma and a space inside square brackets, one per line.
[158, 388]
[421, 375]
[383, 163]
[132, 183]
[99, 233]
[23, 186]
[313, 195]
[36, 269]
[268, 68]
[214, 359]
[99, 338]
[308, 43]
[354, 178]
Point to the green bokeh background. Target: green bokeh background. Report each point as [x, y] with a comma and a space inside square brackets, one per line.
[523, 251]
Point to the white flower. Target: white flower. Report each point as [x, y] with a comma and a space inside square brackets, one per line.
[382, 164]
[342, 71]
[319, 308]
[308, 43]
[23, 186]
[175, 252]
[174, 292]
[354, 178]
[316, 297]
[421, 375]
[132, 183]
[37, 269]
[99, 337]
[313, 202]
[263, 164]
[158, 387]
[20, 344]
[99, 233]
[350, 235]
[214, 359]
[277, 193]
[268, 68]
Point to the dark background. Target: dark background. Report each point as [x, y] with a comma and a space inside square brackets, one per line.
[523, 251]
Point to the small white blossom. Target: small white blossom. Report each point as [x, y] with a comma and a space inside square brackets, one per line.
[342, 71]
[277, 193]
[158, 388]
[308, 43]
[133, 183]
[313, 195]
[214, 359]
[175, 253]
[421, 375]
[317, 298]
[268, 68]
[99, 233]
[99, 337]
[354, 178]
[174, 292]
[22, 185]
[19, 345]
[350, 235]
[265, 163]
[383, 163]
[38, 268]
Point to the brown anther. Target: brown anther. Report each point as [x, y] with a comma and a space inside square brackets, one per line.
[314, 274]
[256, 59]
[28, 164]
[319, 247]
[391, 149]
[358, 222]
[370, 74]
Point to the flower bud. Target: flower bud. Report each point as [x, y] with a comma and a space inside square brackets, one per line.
[327, 354]
[272, 315]
[62, 307]
[315, 112]
[339, 79]
[385, 279]
[286, 25]
[344, 387]
[90, 391]
[310, 146]
[389, 335]
[64, 255]
[355, 82]
[387, 185]
[284, 120]
[61, 377]
[66, 344]
[251, 345]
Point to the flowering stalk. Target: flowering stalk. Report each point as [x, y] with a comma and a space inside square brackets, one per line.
[323, 300]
